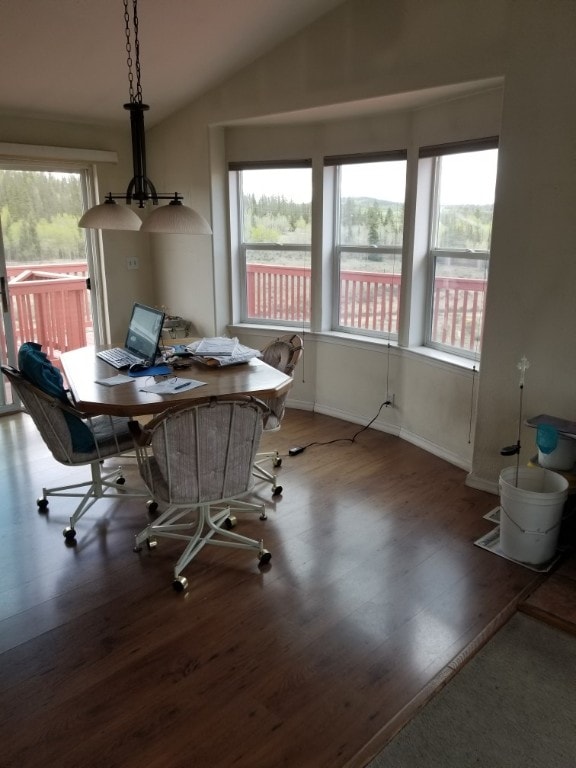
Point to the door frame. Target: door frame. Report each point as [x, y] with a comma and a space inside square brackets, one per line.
[31, 158]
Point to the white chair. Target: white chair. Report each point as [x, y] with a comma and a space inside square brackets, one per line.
[283, 354]
[100, 437]
[196, 461]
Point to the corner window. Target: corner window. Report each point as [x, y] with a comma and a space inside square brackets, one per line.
[459, 254]
[274, 221]
[369, 223]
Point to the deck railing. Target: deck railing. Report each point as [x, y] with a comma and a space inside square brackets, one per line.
[369, 301]
[50, 305]
[458, 312]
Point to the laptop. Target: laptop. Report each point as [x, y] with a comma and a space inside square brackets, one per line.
[142, 339]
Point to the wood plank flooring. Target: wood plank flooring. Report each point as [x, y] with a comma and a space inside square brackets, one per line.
[374, 589]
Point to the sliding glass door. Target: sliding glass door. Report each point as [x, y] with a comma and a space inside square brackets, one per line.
[46, 263]
[7, 345]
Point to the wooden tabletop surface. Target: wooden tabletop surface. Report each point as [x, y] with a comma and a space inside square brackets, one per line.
[83, 369]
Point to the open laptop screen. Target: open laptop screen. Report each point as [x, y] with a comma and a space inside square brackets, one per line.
[144, 331]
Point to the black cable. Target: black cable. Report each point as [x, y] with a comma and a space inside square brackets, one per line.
[300, 449]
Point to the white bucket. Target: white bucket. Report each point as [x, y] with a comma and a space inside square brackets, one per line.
[562, 457]
[531, 513]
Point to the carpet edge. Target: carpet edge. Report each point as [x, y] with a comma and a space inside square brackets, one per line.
[439, 681]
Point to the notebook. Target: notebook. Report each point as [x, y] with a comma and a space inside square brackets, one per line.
[142, 339]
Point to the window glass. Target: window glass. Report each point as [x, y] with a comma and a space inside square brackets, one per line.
[277, 205]
[460, 249]
[368, 252]
[372, 203]
[466, 200]
[276, 233]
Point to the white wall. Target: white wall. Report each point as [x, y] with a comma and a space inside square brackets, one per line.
[531, 308]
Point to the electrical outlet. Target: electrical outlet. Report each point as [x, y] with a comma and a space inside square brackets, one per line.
[132, 262]
[390, 402]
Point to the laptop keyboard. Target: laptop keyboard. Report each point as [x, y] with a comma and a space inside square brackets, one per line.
[118, 357]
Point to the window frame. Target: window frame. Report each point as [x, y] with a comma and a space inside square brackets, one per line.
[242, 246]
[339, 249]
[417, 259]
[434, 253]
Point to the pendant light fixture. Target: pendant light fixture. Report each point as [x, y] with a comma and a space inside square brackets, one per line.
[172, 218]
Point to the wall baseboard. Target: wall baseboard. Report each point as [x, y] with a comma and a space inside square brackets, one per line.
[481, 484]
[436, 450]
[391, 429]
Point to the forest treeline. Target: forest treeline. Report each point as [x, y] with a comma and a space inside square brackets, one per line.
[40, 211]
[363, 221]
[39, 214]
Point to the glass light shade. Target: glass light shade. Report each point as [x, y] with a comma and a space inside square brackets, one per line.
[176, 219]
[110, 215]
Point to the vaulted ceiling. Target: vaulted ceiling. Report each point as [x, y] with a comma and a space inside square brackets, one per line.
[66, 59]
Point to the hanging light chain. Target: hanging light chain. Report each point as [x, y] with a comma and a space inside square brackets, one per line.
[135, 95]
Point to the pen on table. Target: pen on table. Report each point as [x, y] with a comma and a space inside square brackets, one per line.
[181, 386]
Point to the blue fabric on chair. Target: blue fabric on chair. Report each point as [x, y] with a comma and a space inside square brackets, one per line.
[35, 366]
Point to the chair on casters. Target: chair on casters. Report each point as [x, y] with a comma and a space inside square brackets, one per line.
[196, 461]
[283, 354]
[73, 438]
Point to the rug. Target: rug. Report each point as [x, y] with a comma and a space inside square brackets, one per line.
[512, 706]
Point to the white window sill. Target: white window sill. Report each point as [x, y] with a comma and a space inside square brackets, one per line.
[445, 359]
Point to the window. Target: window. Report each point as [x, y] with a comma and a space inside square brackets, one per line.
[275, 227]
[369, 224]
[461, 228]
[376, 244]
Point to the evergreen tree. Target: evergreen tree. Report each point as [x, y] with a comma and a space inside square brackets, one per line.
[40, 213]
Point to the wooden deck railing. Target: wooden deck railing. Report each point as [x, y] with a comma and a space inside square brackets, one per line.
[50, 305]
[458, 312]
[368, 301]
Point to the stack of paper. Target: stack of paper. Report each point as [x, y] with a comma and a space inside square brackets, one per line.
[221, 351]
[219, 346]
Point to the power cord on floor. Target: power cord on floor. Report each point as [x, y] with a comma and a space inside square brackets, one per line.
[298, 449]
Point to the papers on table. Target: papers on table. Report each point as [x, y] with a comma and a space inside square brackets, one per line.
[113, 381]
[221, 351]
[173, 386]
[218, 346]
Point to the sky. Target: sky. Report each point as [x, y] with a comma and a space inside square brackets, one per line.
[466, 179]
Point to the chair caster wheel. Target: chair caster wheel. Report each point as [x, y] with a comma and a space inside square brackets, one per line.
[263, 515]
[180, 584]
[152, 507]
[42, 505]
[277, 462]
[121, 480]
[264, 557]
[69, 534]
[151, 544]
[277, 491]
[230, 522]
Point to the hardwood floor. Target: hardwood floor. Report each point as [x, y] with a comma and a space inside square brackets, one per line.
[374, 592]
